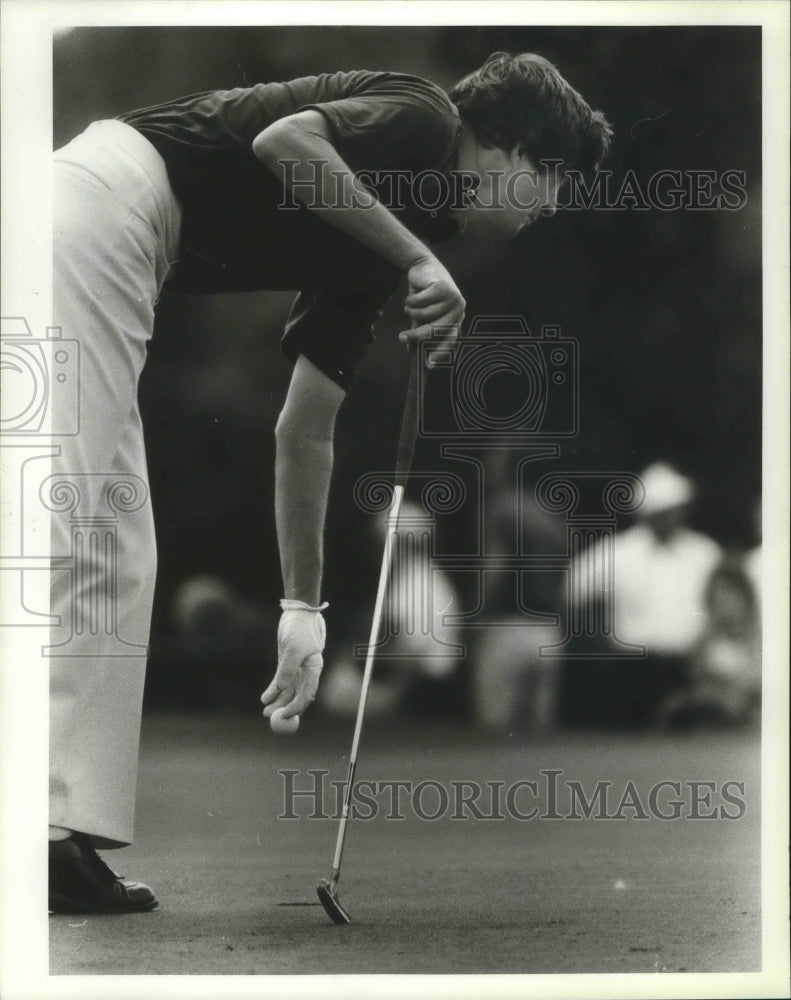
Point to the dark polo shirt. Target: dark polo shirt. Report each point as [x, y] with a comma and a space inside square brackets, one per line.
[238, 233]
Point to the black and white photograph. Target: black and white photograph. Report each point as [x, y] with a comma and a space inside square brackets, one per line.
[395, 508]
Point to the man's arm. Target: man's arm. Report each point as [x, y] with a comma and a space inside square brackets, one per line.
[303, 467]
[330, 189]
[305, 427]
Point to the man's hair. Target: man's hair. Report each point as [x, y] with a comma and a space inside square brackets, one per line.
[522, 102]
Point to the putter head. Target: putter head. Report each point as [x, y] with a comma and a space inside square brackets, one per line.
[331, 903]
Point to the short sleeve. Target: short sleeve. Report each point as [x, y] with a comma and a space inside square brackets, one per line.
[404, 126]
[334, 328]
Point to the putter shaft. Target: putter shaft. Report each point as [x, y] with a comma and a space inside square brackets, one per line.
[327, 890]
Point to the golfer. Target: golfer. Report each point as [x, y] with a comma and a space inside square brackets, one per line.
[336, 186]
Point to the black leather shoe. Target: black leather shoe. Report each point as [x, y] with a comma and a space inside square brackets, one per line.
[80, 882]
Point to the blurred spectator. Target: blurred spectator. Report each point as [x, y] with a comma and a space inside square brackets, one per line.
[725, 666]
[753, 561]
[208, 613]
[219, 648]
[418, 654]
[661, 570]
[202, 611]
[514, 687]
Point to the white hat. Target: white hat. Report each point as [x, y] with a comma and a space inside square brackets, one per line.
[665, 488]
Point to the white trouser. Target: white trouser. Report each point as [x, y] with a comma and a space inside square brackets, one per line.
[115, 237]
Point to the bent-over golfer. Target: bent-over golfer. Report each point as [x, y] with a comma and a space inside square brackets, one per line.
[302, 185]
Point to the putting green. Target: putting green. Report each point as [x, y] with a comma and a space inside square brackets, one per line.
[570, 895]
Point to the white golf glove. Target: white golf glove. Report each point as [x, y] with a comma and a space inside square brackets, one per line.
[300, 643]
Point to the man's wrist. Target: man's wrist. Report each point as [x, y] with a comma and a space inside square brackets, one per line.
[412, 255]
[290, 604]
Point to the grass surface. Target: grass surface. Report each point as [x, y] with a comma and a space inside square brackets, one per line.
[448, 896]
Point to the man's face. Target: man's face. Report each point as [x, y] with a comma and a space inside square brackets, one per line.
[513, 193]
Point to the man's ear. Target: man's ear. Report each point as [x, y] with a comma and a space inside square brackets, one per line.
[527, 162]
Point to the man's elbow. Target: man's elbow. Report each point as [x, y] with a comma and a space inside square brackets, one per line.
[275, 143]
[285, 139]
[296, 137]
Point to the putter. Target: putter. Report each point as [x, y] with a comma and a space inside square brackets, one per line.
[327, 889]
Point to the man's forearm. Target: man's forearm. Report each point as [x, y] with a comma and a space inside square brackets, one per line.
[303, 468]
[322, 180]
[298, 150]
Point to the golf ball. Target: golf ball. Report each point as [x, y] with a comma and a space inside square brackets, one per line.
[281, 726]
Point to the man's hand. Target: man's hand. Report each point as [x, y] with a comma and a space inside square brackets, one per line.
[300, 642]
[433, 301]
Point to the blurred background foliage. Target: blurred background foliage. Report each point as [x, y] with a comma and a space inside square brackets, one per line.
[666, 306]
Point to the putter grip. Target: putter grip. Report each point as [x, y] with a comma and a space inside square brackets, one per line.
[409, 422]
